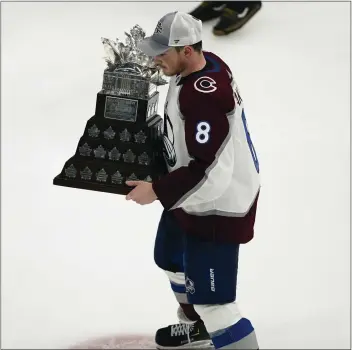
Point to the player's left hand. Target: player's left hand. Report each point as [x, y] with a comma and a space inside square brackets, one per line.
[143, 192]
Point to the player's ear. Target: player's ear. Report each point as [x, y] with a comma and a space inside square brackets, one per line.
[187, 51]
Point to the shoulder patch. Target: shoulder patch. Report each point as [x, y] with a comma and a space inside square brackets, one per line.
[205, 84]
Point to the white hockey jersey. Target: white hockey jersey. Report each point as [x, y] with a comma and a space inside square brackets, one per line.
[213, 182]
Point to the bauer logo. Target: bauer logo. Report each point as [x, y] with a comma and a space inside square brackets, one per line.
[212, 280]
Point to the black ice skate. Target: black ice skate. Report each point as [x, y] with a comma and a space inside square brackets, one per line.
[184, 336]
[208, 10]
[232, 20]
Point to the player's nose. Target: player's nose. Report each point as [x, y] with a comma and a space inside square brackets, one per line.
[157, 60]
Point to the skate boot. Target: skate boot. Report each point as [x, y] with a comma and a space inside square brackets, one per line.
[185, 335]
[232, 20]
[208, 10]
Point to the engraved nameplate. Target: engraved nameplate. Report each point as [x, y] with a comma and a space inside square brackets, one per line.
[121, 109]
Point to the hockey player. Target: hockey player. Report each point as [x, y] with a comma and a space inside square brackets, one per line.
[210, 192]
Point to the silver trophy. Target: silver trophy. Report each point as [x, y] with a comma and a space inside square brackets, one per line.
[123, 140]
[130, 72]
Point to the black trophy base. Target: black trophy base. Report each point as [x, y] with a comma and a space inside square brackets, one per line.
[113, 149]
[103, 176]
[92, 186]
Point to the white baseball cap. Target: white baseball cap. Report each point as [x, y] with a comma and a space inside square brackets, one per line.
[174, 29]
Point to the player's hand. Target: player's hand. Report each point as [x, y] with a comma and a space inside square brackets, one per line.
[143, 192]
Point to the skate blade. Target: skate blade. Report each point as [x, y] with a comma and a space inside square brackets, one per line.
[204, 344]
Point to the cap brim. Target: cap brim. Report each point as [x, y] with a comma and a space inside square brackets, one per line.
[151, 47]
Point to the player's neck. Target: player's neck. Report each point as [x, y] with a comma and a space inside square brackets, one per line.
[194, 66]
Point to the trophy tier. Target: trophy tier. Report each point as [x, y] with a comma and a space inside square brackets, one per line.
[122, 141]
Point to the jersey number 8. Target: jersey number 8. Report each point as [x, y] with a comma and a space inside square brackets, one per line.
[202, 135]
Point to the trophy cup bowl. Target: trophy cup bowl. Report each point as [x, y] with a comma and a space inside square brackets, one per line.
[123, 139]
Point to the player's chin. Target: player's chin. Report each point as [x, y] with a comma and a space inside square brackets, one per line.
[167, 72]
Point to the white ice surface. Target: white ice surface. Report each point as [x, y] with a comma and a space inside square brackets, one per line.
[79, 264]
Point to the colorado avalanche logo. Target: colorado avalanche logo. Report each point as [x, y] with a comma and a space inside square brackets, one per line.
[205, 85]
[190, 286]
[169, 140]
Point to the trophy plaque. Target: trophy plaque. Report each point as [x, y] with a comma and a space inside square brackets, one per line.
[123, 139]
